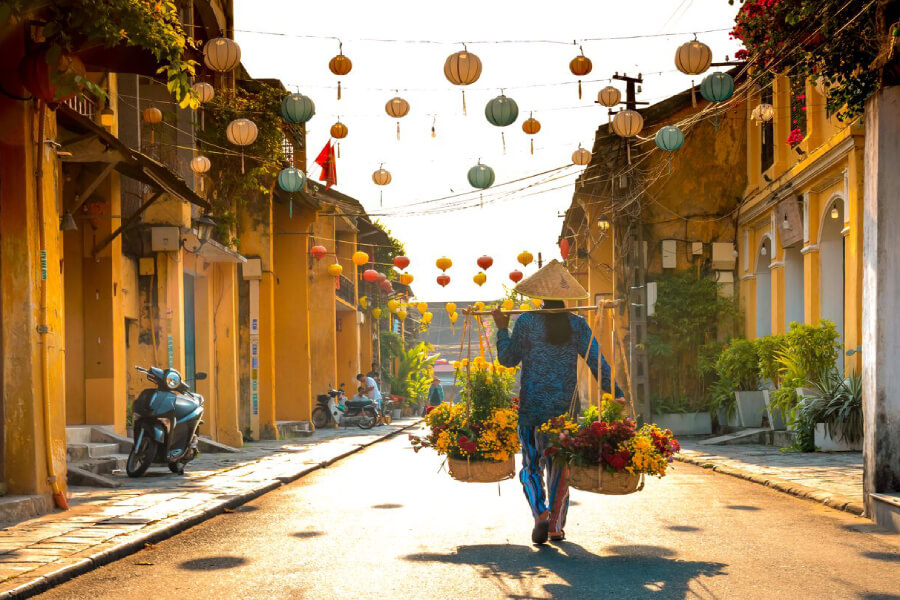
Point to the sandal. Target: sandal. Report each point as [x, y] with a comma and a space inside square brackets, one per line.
[540, 532]
[557, 536]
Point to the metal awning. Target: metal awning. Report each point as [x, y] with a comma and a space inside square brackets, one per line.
[210, 250]
[91, 143]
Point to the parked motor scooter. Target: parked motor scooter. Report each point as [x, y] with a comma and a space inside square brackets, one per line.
[166, 419]
[334, 407]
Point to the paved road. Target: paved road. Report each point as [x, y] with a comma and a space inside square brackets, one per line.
[385, 524]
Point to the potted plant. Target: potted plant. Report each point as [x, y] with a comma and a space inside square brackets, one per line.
[738, 365]
[835, 412]
[682, 417]
[767, 350]
[606, 453]
[477, 435]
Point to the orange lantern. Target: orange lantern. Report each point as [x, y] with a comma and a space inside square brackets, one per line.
[462, 68]
[443, 280]
[525, 257]
[531, 126]
[340, 65]
[443, 263]
[580, 66]
[406, 278]
[479, 278]
[360, 258]
[451, 308]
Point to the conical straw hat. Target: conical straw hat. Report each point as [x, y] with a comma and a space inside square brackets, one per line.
[552, 282]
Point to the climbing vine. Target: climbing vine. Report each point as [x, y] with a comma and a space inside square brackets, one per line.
[836, 40]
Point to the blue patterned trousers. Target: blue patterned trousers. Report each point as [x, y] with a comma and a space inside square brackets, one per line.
[535, 466]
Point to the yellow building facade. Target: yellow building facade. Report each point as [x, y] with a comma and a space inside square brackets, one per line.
[800, 224]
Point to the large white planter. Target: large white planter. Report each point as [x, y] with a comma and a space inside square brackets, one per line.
[733, 422]
[826, 443]
[751, 408]
[776, 420]
[697, 423]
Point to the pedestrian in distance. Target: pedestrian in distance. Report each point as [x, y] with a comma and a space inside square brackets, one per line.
[375, 373]
[548, 346]
[371, 389]
[435, 393]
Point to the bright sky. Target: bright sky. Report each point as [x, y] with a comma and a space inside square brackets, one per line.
[535, 75]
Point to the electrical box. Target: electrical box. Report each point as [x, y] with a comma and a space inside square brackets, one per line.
[360, 318]
[723, 256]
[651, 298]
[669, 254]
[165, 239]
[725, 279]
[147, 266]
[696, 248]
[252, 269]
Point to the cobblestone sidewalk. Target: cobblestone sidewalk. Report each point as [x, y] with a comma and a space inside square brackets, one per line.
[104, 525]
[832, 478]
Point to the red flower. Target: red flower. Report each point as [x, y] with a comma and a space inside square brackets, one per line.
[467, 445]
[551, 451]
[617, 461]
[429, 409]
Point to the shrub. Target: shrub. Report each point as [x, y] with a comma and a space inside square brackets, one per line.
[767, 349]
[838, 404]
[739, 363]
[809, 351]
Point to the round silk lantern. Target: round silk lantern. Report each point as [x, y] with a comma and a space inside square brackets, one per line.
[297, 109]
[364, 302]
[381, 177]
[581, 156]
[763, 113]
[221, 54]
[205, 92]
[376, 312]
[318, 252]
[426, 317]
[443, 263]
[609, 96]
[370, 275]
[443, 280]
[580, 66]
[381, 277]
[200, 165]
[422, 307]
[335, 269]
[669, 138]
[401, 314]
[515, 276]
[531, 126]
[717, 87]
[401, 262]
[241, 132]
[55, 82]
[564, 248]
[291, 179]
[359, 258]
[386, 287]
[525, 257]
[153, 116]
[485, 262]
[397, 108]
[462, 68]
[693, 58]
[508, 304]
[627, 123]
[340, 65]
[479, 278]
[393, 305]
[451, 307]
[501, 112]
[454, 318]
[406, 278]
[481, 176]
[339, 131]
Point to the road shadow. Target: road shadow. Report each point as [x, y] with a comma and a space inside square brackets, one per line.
[885, 556]
[684, 528]
[213, 563]
[743, 507]
[308, 534]
[880, 597]
[630, 572]
[387, 505]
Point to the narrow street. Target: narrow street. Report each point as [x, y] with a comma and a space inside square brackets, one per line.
[385, 523]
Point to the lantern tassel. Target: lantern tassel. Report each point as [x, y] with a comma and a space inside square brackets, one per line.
[201, 183]
[503, 139]
[433, 134]
[464, 102]
[291, 207]
[670, 164]
[628, 147]
[339, 90]
[579, 89]
[532, 146]
[338, 149]
[380, 198]
[242, 161]
[693, 94]
[202, 120]
[398, 131]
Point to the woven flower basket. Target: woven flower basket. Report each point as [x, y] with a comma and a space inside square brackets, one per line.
[596, 479]
[481, 471]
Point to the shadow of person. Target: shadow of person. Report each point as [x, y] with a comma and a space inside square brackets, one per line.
[627, 572]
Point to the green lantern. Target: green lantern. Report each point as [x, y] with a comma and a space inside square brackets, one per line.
[669, 139]
[717, 87]
[297, 109]
[481, 176]
[501, 111]
[291, 180]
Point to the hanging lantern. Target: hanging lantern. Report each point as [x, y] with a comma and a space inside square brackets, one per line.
[426, 317]
[221, 54]
[501, 112]
[401, 314]
[335, 269]
[291, 180]
[386, 287]
[669, 139]
[381, 277]
[763, 113]
[339, 131]
[443, 263]
[462, 68]
[609, 96]
[531, 126]
[318, 252]
[401, 262]
[376, 312]
[363, 302]
[393, 305]
[200, 165]
[603, 224]
[581, 156]
[422, 307]
[55, 82]
[370, 275]
[580, 66]
[693, 58]
[454, 317]
[485, 262]
[717, 87]
[564, 248]
[406, 278]
[627, 123]
[525, 306]
[525, 257]
[479, 278]
[297, 109]
[515, 276]
[451, 307]
[481, 176]
[153, 116]
[397, 108]
[340, 65]
[443, 280]
[381, 177]
[479, 305]
[241, 132]
[205, 92]
[359, 258]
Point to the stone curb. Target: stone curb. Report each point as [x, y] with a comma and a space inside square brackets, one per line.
[834, 501]
[182, 523]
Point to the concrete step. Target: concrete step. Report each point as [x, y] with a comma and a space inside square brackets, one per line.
[886, 511]
[736, 437]
[102, 465]
[294, 429]
[76, 475]
[20, 508]
[76, 452]
[80, 434]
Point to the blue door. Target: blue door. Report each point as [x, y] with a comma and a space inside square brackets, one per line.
[190, 361]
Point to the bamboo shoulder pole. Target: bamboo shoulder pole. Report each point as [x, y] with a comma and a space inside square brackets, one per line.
[518, 311]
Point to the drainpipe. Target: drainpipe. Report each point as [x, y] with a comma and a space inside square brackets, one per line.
[43, 329]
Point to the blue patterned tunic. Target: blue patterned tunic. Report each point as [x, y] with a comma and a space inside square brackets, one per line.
[549, 372]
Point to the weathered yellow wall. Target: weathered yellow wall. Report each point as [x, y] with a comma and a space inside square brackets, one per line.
[225, 315]
[323, 367]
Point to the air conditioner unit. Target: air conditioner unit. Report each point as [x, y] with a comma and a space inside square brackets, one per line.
[165, 239]
[723, 258]
[252, 269]
[725, 279]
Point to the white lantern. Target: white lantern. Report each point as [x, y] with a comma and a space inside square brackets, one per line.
[241, 132]
[693, 58]
[581, 156]
[763, 113]
[200, 165]
[609, 96]
[205, 92]
[221, 54]
[381, 177]
[627, 123]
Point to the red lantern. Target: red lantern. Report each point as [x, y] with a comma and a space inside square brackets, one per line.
[318, 252]
[401, 262]
[443, 280]
[386, 286]
[370, 275]
[564, 248]
[516, 276]
[381, 277]
[485, 262]
[56, 83]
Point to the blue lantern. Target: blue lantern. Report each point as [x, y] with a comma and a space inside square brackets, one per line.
[291, 180]
[669, 139]
[481, 176]
[501, 111]
[717, 87]
[297, 109]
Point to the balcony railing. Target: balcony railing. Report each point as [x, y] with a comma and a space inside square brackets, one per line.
[345, 290]
[83, 105]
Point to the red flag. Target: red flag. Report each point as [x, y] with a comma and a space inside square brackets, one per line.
[327, 161]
